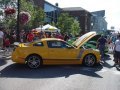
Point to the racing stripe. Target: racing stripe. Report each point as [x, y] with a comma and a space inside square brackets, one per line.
[80, 54]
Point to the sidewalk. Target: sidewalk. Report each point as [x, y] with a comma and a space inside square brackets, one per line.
[5, 54]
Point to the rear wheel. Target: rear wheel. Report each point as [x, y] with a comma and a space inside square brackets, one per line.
[34, 61]
[89, 60]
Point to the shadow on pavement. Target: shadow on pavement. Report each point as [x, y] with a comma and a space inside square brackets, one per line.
[2, 62]
[118, 68]
[107, 57]
[108, 62]
[21, 71]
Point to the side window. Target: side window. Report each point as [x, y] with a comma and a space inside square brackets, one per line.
[57, 44]
[38, 44]
[54, 44]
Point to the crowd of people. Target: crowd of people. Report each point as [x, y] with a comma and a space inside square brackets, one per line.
[8, 38]
[114, 44]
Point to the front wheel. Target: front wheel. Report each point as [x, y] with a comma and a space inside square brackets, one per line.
[33, 61]
[89, 60]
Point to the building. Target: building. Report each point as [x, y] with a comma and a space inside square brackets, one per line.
[51, 11]
[89, 21]
[98, 22]
[82, 15]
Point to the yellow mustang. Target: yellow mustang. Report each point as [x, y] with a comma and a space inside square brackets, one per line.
[53, 51]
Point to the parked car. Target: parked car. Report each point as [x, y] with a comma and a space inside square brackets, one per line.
[53, 51]
[93, 44]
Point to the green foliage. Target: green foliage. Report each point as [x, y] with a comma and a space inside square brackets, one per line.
[37, 14]
[53, 24]
[75, 28]
[8, 22]
[38, 17]
[66, 23]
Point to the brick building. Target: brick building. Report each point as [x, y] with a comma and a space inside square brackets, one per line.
[82, 15]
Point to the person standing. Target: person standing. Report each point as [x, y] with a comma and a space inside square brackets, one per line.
[66, 37]
[117, 51]
[1, 37]
[30, 36]
[101, 46]
[22, 36]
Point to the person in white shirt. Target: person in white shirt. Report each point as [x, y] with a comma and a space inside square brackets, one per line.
[117, 51]
[1, 37]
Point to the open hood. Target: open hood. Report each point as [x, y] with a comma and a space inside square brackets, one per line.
[84, 38]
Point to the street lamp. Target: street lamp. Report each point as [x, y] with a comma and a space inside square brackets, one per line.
[86, 26]
[92, 26]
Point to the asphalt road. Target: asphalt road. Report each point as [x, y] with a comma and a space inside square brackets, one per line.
[68, 77]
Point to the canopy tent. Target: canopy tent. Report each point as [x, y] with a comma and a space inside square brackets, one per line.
[48, 27]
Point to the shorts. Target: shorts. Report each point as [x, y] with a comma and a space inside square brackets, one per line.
[117, 54]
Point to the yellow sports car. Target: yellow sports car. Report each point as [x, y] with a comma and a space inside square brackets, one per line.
[53, 51]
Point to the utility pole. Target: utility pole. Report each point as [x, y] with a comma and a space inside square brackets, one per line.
[18, 23]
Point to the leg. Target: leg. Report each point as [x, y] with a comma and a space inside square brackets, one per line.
[116, 56]
[102, 52]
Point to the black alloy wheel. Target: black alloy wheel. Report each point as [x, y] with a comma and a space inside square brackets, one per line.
[34, 61]
[89, 60]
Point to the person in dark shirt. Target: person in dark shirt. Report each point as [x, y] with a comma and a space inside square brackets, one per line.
[66, 37]
[101, 46]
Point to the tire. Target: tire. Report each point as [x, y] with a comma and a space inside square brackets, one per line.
[89, 60]
[34, 61]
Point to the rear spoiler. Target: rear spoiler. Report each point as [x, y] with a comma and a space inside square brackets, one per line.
[19, 44]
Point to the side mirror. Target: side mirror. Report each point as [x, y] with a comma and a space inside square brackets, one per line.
[69, 47]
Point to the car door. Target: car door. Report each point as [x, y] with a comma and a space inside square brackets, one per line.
[60, 50]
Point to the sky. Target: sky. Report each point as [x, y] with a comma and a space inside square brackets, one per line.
[111, 7]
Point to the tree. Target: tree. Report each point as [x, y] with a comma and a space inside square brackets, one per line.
[8, 20]
[37, 14]
[53, 23]
[75, 28]
[65, 22]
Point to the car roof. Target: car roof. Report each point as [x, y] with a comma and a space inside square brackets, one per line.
[45, 39]
[50, 39]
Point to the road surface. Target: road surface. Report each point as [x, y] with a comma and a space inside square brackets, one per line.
[68, 77]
